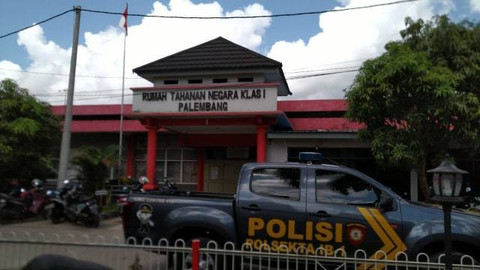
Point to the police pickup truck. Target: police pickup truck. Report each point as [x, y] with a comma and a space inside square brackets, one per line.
[302, 206]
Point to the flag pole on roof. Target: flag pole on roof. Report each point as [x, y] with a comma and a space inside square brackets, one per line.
[124, 24]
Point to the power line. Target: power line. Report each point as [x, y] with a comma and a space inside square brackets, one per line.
[324, 69]
[330, 64]
[249, 17]
[321, 74]
[35, 24]
[298, 70]
[66, 75]
[105, 96]
[211, 17]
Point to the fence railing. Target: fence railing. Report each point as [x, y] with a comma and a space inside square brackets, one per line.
[18, 250]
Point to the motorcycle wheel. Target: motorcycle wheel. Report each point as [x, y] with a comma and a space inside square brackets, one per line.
[55, 216]
[2, 217]
[45, 215]
[93, 221]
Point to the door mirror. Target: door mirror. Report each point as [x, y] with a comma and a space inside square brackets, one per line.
[386, 203]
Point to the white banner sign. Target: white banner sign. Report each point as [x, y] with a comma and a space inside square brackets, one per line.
[205, 100]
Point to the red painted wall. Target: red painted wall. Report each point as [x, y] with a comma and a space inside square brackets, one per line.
[299, 124]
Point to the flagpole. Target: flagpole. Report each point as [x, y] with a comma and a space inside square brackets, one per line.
[120, 144]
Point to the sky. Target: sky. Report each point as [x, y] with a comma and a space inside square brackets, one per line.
[39, 58]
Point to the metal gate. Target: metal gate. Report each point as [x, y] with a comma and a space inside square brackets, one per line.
[17, 250]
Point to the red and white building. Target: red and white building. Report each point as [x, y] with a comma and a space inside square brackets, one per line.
[214, 107]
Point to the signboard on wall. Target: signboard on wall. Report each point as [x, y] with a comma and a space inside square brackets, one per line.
[206, 100]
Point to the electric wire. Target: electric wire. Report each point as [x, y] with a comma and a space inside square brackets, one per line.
[211, 17]
[196, 17]
[320, 74]
[101, 96]
[330, 64]
[138, 78]
[251, 16]
[35, 24]
[91, 94]
[66, 75]
[323, 69]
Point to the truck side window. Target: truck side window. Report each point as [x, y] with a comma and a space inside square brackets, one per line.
[277, 182]
[342, 188]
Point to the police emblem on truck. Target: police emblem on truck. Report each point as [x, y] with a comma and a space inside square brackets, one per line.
[144, 214]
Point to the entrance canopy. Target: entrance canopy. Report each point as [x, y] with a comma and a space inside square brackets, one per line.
[209, 109]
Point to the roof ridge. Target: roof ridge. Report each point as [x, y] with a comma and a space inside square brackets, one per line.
[262, 60]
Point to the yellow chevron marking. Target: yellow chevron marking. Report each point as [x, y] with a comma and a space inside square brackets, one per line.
[388, 245]
[392, 242]
[399, 245]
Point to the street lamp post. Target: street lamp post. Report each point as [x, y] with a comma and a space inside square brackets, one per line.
[447, 183]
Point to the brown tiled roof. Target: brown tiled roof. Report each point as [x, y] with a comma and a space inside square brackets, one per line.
[218, 53]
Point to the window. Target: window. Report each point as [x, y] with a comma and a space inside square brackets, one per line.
[245, 79]
[195, 81]
[342, 188]
[277, 182]
[223, 80]
[179, 165]
[170, 82]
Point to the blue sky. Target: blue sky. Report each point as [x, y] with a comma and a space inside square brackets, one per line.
[303, 44]
[16, 15]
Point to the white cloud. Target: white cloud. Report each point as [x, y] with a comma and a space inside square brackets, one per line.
[475, 5]
[343, 38]
[9, 70]
[101, 54]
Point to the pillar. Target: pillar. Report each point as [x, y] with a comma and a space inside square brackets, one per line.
[130, 170]
[151, 155]
[200, 164]
[413, 185]
[261, 143]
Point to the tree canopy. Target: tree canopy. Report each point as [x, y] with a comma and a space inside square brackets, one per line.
[421, 95]
[28, 133]
[92, 164]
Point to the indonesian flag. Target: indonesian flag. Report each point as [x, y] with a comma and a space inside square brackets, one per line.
[123, 20]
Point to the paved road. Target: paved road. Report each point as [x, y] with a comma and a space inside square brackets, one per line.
[108, 228]
[79, 242]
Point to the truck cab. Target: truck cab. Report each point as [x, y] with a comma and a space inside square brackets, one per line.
[305, 208]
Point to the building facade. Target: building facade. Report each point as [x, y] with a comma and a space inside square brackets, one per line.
[213, 108]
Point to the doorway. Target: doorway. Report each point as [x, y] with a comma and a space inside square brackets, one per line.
[222, 175]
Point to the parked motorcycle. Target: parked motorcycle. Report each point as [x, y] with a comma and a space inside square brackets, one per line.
[71, 204]
[22, 203]
[168, 187]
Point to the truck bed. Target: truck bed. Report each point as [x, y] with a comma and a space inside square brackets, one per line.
[171, 214]
[180, 193]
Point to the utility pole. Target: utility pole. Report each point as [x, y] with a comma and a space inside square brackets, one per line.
[65, 147]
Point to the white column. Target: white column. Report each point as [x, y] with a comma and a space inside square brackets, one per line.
[413, 185]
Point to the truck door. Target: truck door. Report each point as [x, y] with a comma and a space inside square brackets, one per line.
[271, 207]
[344, 211]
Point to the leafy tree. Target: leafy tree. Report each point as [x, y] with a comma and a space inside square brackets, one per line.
[93, 163]
[421, 95]
[28, 133]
